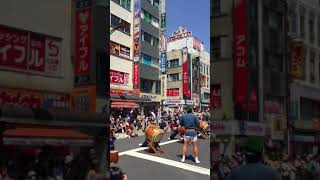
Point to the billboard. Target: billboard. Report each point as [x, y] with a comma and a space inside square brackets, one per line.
[185, 82]
[241, 53]
[136, 45]
[163, 62]
[120, 78]
[180, 34]
[297, 64]
[29, 52]
[173, 92]
[196, 44]
[83, 39]
[119, 50]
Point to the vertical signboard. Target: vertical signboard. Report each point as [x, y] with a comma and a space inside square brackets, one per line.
[163, 43]
[163, 85]
[185, 82]
[163, 22]
[83, 41]
[297, 62]
[163, 60]
[241, 53]
[136, 46]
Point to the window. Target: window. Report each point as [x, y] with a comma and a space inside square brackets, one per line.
[216, 8]
[311, 29]
[156, 3]
[312, 67]
[116, 20]
[293, 24]
[173, 63]
[119, 50]
[302, 28]
[146, 37]
[146, 59]
[146, 85]
[155, 42]
[173, 77]
[216, 48]
[124, 3]
[149, 18]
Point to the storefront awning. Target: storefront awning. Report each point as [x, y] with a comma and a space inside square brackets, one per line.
[124, 105]
[129, 98]
[45, 136]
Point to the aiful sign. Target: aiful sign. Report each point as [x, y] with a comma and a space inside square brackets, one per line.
[180, 34]
[117, 77]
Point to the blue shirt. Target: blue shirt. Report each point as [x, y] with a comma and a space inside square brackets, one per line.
[190, 121]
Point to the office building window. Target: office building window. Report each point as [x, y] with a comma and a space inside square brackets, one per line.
[146, 85]
[146, 59]
[156, 3]
[311, 29]
[174, 77]
[293, 24]
[124, 3]
[173, 63]
[149, 18]
[115, 22]
[216, 48]
[216, 8]
[146, 37]
[312, 66]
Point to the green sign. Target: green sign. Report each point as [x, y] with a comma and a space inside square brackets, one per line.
[163, 21]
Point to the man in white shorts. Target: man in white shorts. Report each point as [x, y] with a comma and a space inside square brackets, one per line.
[191, 124]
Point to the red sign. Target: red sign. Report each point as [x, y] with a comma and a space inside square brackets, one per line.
[240, 59]
[117, 77]
[83, 38]
[29, 52]
[215, 96]
[173, 92]
[180, 34]
[186, 91]
[37, 53]
[20, 98]
[119, 92]
[196, 44]
[136, 75]
[13, 49]
[251, 104]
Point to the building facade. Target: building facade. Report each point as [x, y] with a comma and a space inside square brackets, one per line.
[188, 71]
[246, 96]
[304, 63]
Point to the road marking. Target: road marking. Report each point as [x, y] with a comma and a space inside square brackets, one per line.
[144, 148]
[169, 162]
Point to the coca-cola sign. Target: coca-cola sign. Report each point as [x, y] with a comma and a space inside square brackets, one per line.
[117, 77]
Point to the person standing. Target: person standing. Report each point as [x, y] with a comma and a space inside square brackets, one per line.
[191, 124]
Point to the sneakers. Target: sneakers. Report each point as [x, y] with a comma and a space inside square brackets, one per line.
[140, 144]
[183, 159]
[197, 160]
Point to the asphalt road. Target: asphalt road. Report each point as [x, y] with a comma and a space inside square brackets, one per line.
[141, 165]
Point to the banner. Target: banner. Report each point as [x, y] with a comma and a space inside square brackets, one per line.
[297, 62]
[35, 99]
[173, 92]
[185, 82]
[136, 44]
[163, 62]
[119, 50]
[241, 54]
[215, 94]
[29, 52]
[83, 42]
[120, 78]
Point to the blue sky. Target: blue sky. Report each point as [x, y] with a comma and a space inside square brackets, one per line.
[194, 15]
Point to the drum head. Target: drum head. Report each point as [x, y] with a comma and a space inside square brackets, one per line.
[157, 138]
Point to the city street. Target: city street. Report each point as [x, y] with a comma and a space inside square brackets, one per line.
[138, 164]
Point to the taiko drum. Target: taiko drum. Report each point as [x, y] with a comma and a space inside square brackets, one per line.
[154, 133]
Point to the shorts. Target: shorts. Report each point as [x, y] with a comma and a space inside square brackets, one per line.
[190, 135]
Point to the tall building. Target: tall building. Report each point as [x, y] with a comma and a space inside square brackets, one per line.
[48, 93]
[136, 63]
[188, 71]
[304, 63]
[249, 85]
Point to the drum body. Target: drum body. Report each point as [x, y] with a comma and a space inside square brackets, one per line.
[204, 127]
[182, 130]
[114, 156]
[154, 133]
